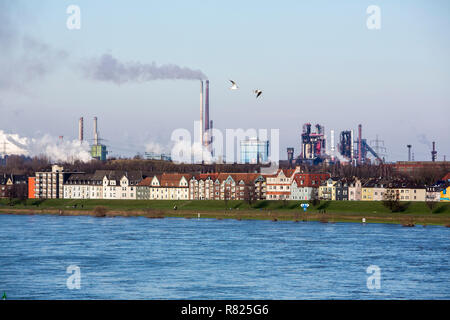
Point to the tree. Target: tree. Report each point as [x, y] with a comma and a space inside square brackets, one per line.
[314, 200]
[390, 200]
[431, 204]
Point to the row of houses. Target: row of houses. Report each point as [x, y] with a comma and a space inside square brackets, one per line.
[285, 184]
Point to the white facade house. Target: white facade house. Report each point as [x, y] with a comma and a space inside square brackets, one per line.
[102, 185]
[354, 190]
[168, 186]
[279, 184]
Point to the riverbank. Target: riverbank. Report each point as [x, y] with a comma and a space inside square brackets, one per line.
[413, 213]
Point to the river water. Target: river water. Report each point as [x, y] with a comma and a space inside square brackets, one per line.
[176, 258]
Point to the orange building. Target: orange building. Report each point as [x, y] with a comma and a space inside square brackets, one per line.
[31, 186]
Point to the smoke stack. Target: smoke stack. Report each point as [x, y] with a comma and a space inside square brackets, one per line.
[80, 129]
[409, 152]
[434, 152]
[352, 148]
[359, 143]
[207, 107]
[201, 112]
[95, 131]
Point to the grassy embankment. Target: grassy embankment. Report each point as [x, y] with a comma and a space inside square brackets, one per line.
[326, 211]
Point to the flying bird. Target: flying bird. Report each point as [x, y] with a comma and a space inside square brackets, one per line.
[258, 93]
[233, 85]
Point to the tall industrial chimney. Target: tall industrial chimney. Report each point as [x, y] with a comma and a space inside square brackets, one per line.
[352, 147]
[207, 112]
[80, 129]
[409, 152]
[359, 143]
[434, 152]
[95, 131]
[201, 112]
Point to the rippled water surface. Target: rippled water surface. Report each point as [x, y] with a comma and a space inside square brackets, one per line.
[172, 258]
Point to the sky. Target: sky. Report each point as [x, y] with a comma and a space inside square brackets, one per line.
[316, 61]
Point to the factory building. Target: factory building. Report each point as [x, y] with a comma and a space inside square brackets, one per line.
[254, 151]
[157, 156]
[98, 151]
[313, 143]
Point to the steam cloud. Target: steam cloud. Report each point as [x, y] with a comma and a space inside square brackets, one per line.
[154, 147]
[109, 69]
[422, 138]
[24, 58]
[47, 146]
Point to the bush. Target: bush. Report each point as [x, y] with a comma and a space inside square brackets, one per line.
[100, 211]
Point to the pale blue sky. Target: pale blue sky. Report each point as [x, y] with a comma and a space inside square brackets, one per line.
[315, 61]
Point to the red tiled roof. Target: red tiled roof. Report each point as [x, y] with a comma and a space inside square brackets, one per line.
[172, 179]
[146, 182]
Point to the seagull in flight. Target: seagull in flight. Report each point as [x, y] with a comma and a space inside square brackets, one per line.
[233, 85]
[258, 93]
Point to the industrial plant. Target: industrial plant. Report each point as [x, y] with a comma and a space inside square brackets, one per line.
[98, 150]
[314, 148]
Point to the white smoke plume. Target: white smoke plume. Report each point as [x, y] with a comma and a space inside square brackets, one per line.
[154, 147]
[109, 69]
[47, 146]
[187, 152]
[24, 58]
[422, 138]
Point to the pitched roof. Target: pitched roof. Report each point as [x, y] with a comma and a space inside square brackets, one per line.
[146, 182]
[172, 179]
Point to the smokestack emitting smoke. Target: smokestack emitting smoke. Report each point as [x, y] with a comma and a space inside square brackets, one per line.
[207, 112]
[80, 130]
[201, 112]
[95, 131]
[109, 69]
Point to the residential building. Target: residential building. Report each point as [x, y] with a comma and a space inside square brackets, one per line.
[279, 184]
[327, 189]
[355, 190]
[305, 186]
[168, 186]
[341, 190]
[404, 191]
[31, 188]
[120, 184]
[445, 194]
[433, 193]
[227, 186]
[85, 185]
[12, 185]
[50, 184]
